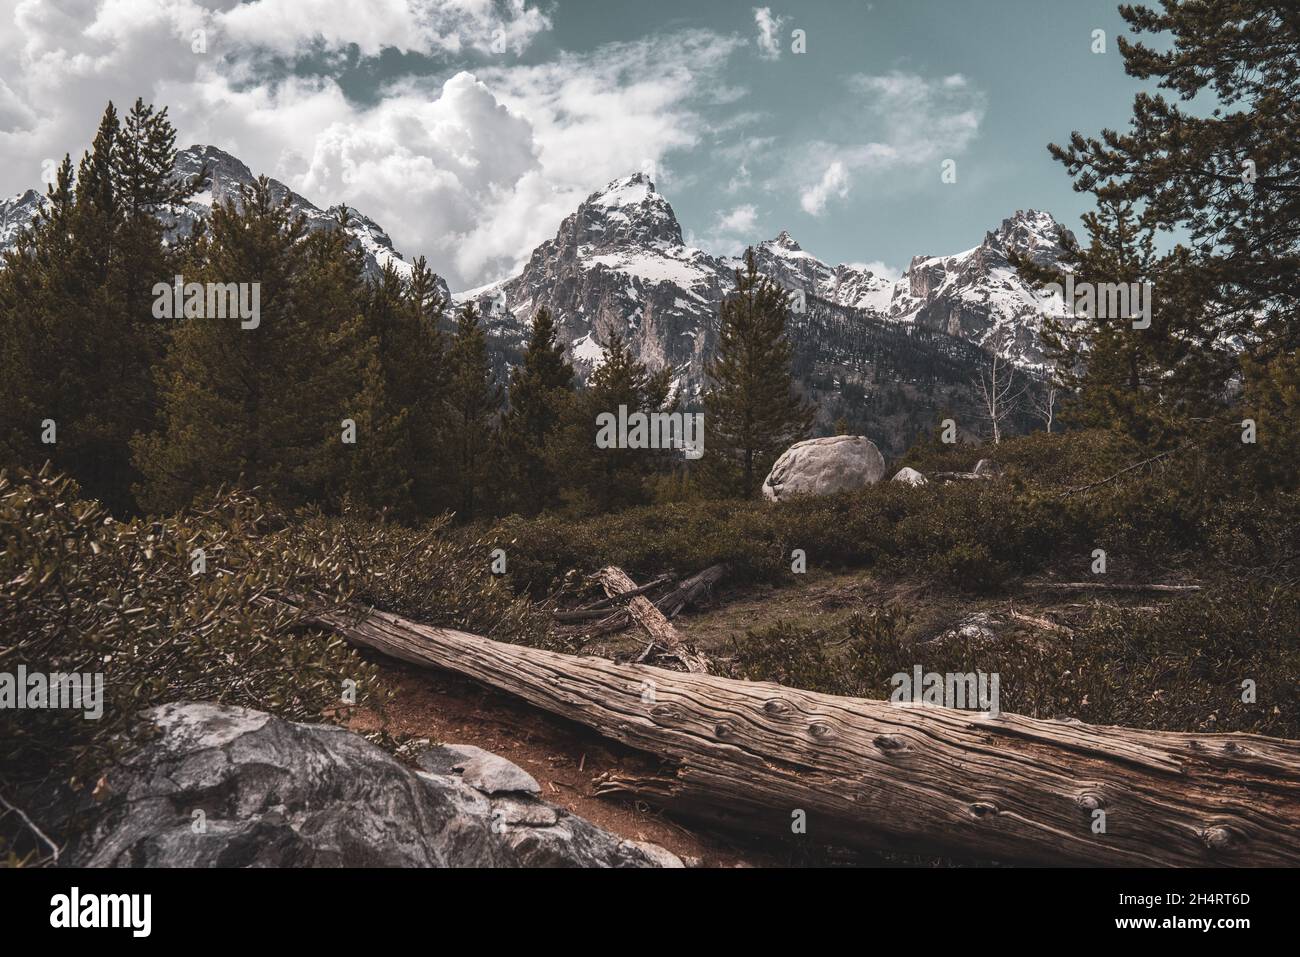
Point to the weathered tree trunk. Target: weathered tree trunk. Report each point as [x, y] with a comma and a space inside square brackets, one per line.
[616, 582]
[691, 590]
[863, 773]
[612, 620]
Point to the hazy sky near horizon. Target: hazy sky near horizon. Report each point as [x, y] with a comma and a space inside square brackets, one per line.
[470, 128]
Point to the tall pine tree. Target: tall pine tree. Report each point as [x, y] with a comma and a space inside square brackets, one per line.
[752, 412]
[541, 391]
[75, 321]
[1226, 173]
[471, 402]
[608, 479]
[265, 406]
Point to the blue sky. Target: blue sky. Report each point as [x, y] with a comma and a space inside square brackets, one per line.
[469, 128]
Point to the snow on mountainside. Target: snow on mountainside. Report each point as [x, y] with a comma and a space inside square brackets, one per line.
[977, 295]
[226, 177]
[16, 213]
[618, 264]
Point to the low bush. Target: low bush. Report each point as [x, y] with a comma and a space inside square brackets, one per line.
[183, 608]
[1221, 660]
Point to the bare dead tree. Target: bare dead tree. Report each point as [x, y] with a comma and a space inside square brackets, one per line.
[1044, 403]
[997, 384]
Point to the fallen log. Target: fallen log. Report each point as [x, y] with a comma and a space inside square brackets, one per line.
[616, 582]
[630, 593]
[1117, 586]
[691, 590]
[685, 594]
[867, 774]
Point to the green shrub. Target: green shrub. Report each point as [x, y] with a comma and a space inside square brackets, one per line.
[972, 567]
[1179, 668]
[82, 593]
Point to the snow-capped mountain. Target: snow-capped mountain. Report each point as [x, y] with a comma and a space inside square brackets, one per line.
[618, 264]
[845, 285]
[16, 214]
[977, 295]
[227, 175]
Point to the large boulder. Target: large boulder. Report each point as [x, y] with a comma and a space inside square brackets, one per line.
[221, 786]
[836, 463]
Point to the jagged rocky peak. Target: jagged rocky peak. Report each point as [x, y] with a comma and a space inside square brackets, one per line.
[1034, 233]
[628, 210]
[228, 175]
[16, 213]
[783, 240]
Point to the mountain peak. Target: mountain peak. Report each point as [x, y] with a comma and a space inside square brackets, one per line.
[628, 210]
[785, 241]
[1031, 232]
[630, 190]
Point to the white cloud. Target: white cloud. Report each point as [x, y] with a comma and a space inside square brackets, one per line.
[769, 33]
[882, 269]
[907, 124]
[739, 180]
[423, 26]
[731, 231]
[472, 171]
[834, 183]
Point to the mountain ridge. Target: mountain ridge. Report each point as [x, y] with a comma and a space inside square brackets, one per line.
[619, 264]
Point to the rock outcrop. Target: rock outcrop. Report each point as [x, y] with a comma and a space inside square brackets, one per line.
[911, 476]
[222, 786]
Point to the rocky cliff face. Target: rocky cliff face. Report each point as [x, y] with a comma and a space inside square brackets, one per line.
[16, 213]
[977, 295]
[619, 264]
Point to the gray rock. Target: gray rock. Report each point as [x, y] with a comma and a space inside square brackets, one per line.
[911, 476]
[481, 770]
[987, 468]
[977, 626]
[221, 786]
[836, 463]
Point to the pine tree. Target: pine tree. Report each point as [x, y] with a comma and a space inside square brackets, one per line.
[541, 390]
[265, 406]
[401, 470]
[75, 319]
[1228, 176]
[609, 479]
[471, 404]
[752, 412]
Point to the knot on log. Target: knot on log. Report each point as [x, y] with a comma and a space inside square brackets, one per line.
[982, 808]
[889, 742]
[666, 712]
[821, 730]
[777, 706]
[1089, 800]
[723, 728]
[1221, 837]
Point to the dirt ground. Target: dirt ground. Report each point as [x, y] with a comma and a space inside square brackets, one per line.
[565, 758]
